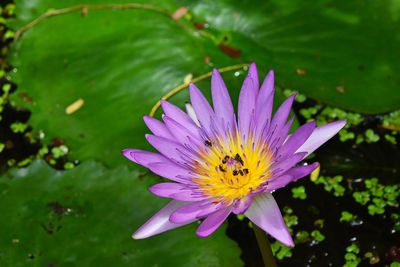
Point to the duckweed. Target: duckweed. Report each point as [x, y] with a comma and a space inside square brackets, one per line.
[302, 237]
[332, 184]
[381, 196]
[391, 139]
[392, 120]
[371, 136]
[351, 257]
[361, 197]
[318, 236]
[281, 251]
[18, 127]
[299, 192]
[347, 217]
[299, 97]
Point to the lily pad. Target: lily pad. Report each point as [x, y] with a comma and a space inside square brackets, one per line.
[109, 67]
[85, 217]
[114, 65]
[343, 53]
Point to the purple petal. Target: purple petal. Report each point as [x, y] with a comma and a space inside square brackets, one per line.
[142, 157]
[181, 134]
[242, 205]
[221, 100]
[301, 171]
[180, 117]
[167, 189]
[283, 134]
[253, 73]
[265, 213]
[202, 108]
[171, 171]
[284, 164]
[157, 127]
[170, 149]
[320, 135]
[212, 222]
[191, 211]
[279, 182]
[246, 107]
[160, 221]
[297, 138]
[188, 195]
[281, 116]
[264, 103]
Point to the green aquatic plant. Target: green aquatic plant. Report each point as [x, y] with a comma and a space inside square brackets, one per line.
[317, 235]
[332, 184]
[299, 192]
[308, 113]
[290, 218]
[299, 97]
[69, 165]
[391, 139]
[347, 217]
[351, 257]
[371, 136]
[302, 237]
[396, 218]
[18, 127]
[378, 196]
[59, 151]
[361, 197]
[25, 162]
[392, 120]
[345, 135]
[281, 251]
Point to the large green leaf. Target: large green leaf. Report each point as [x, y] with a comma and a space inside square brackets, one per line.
[120, 62]
[85, 217]
[344, 53]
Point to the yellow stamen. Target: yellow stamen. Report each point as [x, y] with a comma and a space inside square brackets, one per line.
[233, 169]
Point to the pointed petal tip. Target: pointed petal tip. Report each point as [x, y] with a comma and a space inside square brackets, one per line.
[193, 90]
[164, 103]
[137, 236]
[341, 123]
[287, 242]
[127, 153]
[146, 118]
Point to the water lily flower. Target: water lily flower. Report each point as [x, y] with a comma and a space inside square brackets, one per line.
[218, 165]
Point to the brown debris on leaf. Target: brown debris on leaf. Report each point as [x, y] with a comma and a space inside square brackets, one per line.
[340, 89]
[200, 25]
[24, 96]
[207, 59]
[230, 51]
[179, 13]
[74, 106]
[301, 71]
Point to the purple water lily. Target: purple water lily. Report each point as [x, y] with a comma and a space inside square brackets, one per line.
[218, 165]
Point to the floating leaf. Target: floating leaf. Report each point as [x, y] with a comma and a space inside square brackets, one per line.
[85, 217]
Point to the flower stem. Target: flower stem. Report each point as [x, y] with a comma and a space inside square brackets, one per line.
[265, 247]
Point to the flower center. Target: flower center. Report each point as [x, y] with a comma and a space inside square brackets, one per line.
[230, 170]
